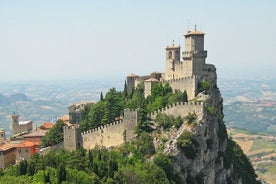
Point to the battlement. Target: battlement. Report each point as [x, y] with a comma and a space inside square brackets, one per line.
[115, 123]
[71, 127]
[194, 53]
[182, 109]
[181, 79]
[131, 110]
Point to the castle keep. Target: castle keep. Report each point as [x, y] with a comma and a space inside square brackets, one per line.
[181, 74]
[184, 74]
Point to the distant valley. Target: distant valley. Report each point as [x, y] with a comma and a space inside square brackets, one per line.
[46, 101]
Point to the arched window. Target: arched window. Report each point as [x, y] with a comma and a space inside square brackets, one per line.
[170, 55]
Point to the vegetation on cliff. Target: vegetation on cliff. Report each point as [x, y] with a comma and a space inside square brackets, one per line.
[110, 107]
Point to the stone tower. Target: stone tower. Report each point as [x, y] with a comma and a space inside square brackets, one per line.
[131, 83]
[194, 55]
[15, 123]
[72, 138]
[15, 119]
[173, 63]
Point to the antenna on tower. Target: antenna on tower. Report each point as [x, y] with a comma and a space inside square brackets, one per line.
[188, 25]
[173, 42]
[167, 39]
[195, 27]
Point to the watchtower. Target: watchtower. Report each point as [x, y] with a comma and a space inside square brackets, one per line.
[72, 138]
[131, 83]
[194, 55]
[172, 61]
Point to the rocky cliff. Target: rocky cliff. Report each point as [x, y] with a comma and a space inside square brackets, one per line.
[200, 148]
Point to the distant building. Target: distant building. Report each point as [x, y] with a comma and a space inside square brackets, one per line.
[25, 150]
[22, 126]
[7, 155]
[47, 125]
[2, 135]
[65, 118]
[75, 111]
[35, 137]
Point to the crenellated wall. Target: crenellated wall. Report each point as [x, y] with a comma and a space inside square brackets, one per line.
[112, 134]
[188, 84]
[182, 109]
[116, 133]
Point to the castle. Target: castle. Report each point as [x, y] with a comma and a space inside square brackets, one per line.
[21, 126]
[183, 75]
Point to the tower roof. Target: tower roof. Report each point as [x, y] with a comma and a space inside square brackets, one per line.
[151, 80]
[173, 47]
[133, 75]
[194, 32]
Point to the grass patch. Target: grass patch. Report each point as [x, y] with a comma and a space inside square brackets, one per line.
[260, 143]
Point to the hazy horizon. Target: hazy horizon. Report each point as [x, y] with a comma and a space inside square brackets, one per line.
[64, 40]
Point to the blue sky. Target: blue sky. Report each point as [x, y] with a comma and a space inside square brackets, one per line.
[46, 40]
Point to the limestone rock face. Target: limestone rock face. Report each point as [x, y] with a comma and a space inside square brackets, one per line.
[208, 165]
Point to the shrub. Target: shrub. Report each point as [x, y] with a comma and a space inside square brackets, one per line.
[191, 117]
[211, 110]
[167, 121]
[203, 86]
[188, 144]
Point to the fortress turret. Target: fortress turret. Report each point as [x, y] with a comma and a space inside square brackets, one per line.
[194, 55]
[15, 119]
[19, 127]
[172, 61]
[131, 83]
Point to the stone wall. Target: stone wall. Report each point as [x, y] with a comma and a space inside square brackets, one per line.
[182, 109]
[116, 133]
[188, 84]
[113, 134]
[18, 128]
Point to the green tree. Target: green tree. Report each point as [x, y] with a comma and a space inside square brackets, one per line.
[23, 165]
[101, 96]
[54, 135]
[61, 173]
[113, 106]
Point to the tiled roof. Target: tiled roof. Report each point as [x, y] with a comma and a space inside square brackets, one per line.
[48, 125]
[36, 134]
[65, 117]
[25, 144]
[6, 146]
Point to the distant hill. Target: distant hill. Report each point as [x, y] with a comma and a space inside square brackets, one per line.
[250, 105]
[18, 97]
[4, 100]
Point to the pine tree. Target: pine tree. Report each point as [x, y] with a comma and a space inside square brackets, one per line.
[101, 97]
